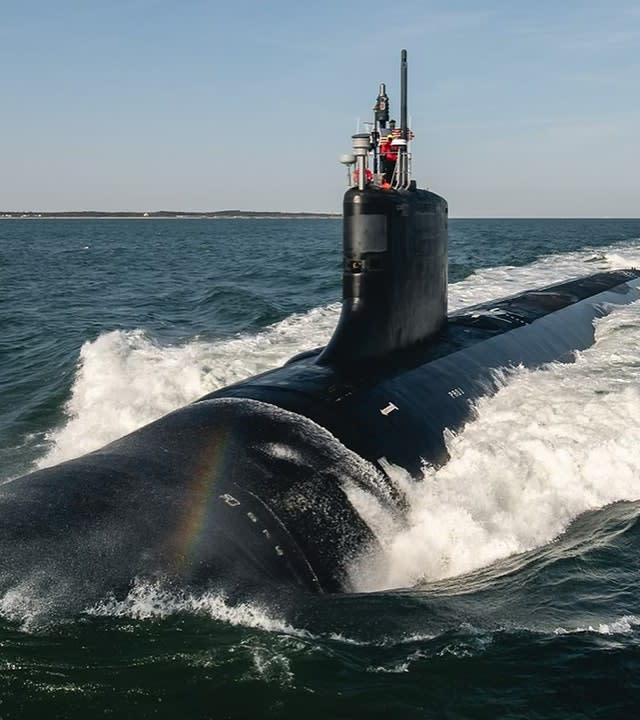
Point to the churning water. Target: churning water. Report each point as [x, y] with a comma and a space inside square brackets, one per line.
[511, 591]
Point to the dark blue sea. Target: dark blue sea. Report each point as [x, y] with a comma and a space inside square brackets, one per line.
[512, 592]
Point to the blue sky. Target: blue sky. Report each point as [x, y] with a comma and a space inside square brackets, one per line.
[519, 108]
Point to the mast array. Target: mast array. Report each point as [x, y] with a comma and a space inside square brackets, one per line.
[381, 156]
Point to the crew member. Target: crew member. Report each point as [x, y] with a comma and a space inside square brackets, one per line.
[388, 157]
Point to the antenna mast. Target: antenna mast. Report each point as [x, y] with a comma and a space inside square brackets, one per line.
[403, 173]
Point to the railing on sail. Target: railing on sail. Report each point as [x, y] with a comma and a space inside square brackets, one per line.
[402, 170]
[368, 146]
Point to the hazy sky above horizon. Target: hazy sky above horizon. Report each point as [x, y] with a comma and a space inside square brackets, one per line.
[519, 108]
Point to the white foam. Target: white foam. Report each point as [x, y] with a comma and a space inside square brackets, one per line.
[395, 668]
[550, 445]
[626, 625]
[26, 606]
[271, 666]
[20, 605]
[154, 599]
[125, 380]
[489, 283]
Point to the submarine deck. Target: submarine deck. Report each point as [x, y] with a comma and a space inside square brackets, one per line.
[396, 409]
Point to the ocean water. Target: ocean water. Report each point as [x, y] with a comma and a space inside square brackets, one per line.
[513, 591]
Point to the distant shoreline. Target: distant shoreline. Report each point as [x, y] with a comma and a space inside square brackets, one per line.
[164, 214]
[241, 215]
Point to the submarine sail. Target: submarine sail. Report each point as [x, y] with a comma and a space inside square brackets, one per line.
[394, 248]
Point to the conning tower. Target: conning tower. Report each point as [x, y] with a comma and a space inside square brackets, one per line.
[395, 246]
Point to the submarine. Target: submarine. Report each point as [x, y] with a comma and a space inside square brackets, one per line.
[262, 483]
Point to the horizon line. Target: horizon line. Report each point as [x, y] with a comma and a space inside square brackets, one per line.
[160, 214]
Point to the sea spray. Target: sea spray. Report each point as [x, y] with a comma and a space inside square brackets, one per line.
[125, 380]
[549, 446]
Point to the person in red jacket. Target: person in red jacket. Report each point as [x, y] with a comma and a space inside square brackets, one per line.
[388, 157]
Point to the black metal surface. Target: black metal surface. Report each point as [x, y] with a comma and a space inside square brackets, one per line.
[394, 274]
[433, 382]
[381, 108]
[403, 95]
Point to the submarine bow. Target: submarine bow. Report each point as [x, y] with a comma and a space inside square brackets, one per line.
[258, 483]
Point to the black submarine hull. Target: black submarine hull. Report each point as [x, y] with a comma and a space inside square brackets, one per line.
[399, 409]
[252, 485]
